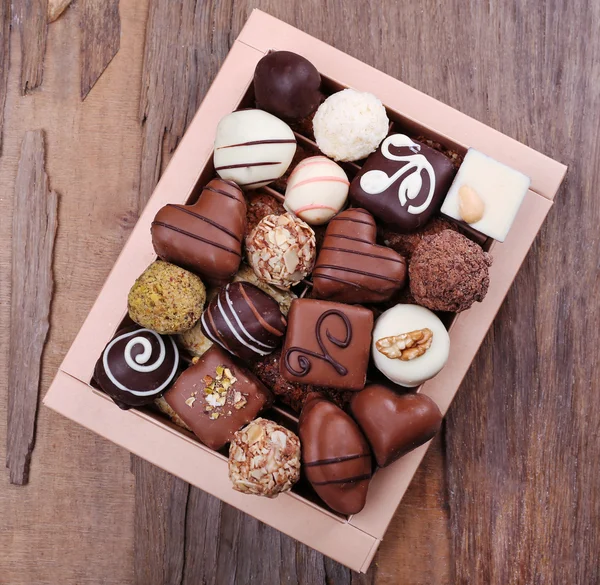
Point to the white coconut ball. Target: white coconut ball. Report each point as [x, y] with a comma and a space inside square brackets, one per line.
[350, 125]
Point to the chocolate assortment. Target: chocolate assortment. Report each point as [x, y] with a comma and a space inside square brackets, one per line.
[403, 183]
[335, 455]
[206, 237]
[137, 366]
[216, 397]
[351, 268]
[316, 289]
[393, 423]
[327, 344]
[244, 320]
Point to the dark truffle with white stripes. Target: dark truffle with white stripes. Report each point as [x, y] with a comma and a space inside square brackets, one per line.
[244, 320]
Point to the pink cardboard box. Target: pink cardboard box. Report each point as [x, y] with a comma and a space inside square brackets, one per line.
[350, 540]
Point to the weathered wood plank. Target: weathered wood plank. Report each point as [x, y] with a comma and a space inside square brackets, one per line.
[35, 219]
[5, 17]
[101, 34]
[160, 516]
[56, 8]
[30, 17]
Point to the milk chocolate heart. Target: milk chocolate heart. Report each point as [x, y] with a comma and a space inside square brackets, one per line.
[394, 424]
[351, 268]
[206, 237]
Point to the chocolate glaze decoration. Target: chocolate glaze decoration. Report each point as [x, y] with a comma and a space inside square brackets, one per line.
[137, 366]
[244, 320]
[287, 85]
[216, 396]
[205, 237]
[351, 268]
[327, 344]
[394, 424]
[403, 182]
[253, 148]
[335, 455]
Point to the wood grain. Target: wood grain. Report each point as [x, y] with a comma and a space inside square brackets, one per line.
[30, 16]
[5, 17]
[510, 493]
[35, 220]
[56, 8]
[101, 33]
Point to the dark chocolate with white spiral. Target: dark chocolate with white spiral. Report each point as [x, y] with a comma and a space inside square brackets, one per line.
[137, 366]
[244, 320]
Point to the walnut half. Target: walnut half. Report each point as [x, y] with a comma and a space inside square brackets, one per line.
[406, 346]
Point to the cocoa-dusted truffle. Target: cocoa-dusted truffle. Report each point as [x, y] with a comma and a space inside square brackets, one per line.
[261, 204]
[406, 244]
[448, 272]
[264, 459]
[281, 250]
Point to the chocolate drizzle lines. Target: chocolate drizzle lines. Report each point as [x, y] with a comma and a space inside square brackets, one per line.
[256, 142]
[257, 182]
[196, 237]
[343, 480]
[336, 460]
[221, 192]
[342, 281]
[206, 219]
[361, 272]
[369, 223]
[348, 238]
[248, 165]
[305, 363]
[359, 253]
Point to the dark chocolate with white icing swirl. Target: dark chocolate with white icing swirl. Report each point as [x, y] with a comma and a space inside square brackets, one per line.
[137, 366]
[244, 320]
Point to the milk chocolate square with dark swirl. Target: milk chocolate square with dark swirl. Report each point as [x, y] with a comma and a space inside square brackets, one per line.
[216, 397]
[327, 344]
[403, 182]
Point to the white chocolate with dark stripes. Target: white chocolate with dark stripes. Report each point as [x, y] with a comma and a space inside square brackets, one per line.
[244, 320]
[316, 190]
[206, 237]
[253, 148]
[351, 267]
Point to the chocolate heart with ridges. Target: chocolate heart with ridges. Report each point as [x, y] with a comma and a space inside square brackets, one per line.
[206, 237]
[351, 268]
[394, 424]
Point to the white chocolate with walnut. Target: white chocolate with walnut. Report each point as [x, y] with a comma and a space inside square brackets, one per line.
[486, 194]
[264, 459]
[410, 345]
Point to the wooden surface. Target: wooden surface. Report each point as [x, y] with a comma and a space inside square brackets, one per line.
[35, 221]
[509, 493]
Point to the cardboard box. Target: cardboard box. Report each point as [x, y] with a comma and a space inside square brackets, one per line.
[352, 541]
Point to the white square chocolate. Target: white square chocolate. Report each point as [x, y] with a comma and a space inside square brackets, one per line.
[487, 189]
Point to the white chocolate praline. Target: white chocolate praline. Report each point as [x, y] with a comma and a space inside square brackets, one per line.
[253, 148]
[349, 125]
[404, 319]
[316, 190]
[500, 188]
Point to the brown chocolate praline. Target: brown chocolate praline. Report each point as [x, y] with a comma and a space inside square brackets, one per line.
[287, 85]
[335, 455]
[393, 423]
[448, 272]
[403, 183]
[137, 366]
[327, 344]
[206, 237]
[213, 404]
[244, 320]
[351, 268]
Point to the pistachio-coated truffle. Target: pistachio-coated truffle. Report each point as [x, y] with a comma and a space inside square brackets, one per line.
[166, 298]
